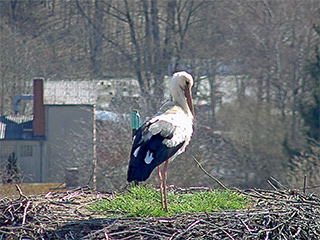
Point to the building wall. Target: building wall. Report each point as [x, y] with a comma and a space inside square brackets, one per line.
[28, 153]
[69, 141]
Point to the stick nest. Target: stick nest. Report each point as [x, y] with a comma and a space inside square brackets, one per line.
[63, 215]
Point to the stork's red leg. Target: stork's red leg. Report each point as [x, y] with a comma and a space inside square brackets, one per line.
[164, 177]
[161, 186]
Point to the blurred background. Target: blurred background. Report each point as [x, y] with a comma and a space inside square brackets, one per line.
[256, 66]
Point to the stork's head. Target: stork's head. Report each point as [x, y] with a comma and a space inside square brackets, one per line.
[180, 88]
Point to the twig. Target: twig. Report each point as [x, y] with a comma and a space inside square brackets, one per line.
[249, 230]
[208, 174]
[279, 183]
[58, 187]
[311, 187]
[95, 233]
[273, 186]
[192, 225]
[20, 192]
[227, 233]
[25, 213]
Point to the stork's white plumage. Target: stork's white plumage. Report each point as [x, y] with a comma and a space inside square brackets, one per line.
[165, 135]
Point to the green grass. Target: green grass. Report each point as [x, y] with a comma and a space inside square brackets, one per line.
[144, 201]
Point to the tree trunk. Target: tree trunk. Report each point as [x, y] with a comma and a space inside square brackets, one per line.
[96, 50]
[157, 61]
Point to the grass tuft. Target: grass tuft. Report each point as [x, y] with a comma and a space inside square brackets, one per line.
[144, 201]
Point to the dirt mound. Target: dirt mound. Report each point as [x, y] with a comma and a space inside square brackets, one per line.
[63, 215]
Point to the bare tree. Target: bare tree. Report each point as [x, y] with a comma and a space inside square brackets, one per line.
[265, 45]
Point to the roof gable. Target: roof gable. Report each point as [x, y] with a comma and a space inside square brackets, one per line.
[70, 92]
[15, 127]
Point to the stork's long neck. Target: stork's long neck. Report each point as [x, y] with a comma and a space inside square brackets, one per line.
[180, 98]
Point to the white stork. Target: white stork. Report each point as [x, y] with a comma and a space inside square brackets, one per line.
[165, 135]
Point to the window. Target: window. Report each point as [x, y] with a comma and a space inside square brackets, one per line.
[5, 151]
[26, 151]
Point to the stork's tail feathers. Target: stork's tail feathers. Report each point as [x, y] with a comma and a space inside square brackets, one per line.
[139, 173]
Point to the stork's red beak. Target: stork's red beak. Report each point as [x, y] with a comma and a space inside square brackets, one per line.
[187, 93]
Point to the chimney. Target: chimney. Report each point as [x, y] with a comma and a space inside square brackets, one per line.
[38, 108]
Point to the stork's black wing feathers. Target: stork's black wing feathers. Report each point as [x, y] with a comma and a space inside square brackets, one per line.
[150, 143]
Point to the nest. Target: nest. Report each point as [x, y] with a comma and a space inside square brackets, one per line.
[63, 215]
